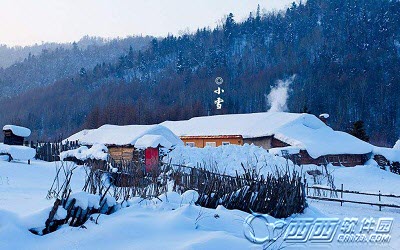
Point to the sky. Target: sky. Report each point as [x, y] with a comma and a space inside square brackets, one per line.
[26, 22]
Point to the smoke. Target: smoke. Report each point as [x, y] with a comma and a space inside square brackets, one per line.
[277, 98]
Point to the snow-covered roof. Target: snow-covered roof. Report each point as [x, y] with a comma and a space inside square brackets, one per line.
[127, 135]
[152, 141]
[304, 131]
[77, 136]
[18, 130]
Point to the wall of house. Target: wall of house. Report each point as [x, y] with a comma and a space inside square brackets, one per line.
[264, 142]
[348, 160]
[11, 139]
[200, 142]
[121, 152]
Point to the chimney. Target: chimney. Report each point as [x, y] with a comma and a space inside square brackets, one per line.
[324, 118]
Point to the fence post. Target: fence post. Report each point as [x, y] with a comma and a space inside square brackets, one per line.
[341, 196]
[307, 189]
[380, 207]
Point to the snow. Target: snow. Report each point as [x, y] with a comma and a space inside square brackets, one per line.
[85, 200]
[97, 151]
[397, 145]
[289, 149]
[124, 135]
[18, 152]
[190, 197]
[18, 130]
[173, 224]
[152, 141]
[321, 140]
[77, 136]
[326, 116]
[247, 125]
[60, 214]
[304, 131]
[228, 159]
[391, 154]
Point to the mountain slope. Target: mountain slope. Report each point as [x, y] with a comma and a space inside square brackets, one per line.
[57, 61]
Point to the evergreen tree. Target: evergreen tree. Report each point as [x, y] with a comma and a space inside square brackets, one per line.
[358, 131]
[305, 109]
[82, 72]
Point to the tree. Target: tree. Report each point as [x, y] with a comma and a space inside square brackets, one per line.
[180, 64]
[82, 72]
[229, 27]
[305, 109]
[358, 131]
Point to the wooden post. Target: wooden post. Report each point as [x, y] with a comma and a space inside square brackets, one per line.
[307, 189]
[341, 196]
[380, 207]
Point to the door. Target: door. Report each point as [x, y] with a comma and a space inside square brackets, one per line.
[151, 159]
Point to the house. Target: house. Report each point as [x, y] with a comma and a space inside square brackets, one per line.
[303, 136]
[13, 145]
[130, 142]
[15, 135]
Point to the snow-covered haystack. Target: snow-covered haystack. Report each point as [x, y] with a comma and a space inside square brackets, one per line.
[17, 152]
[96, 152]
[228, 159]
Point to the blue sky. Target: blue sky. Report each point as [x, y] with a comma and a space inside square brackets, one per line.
[35, 21]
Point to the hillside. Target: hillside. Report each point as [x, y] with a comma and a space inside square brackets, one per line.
[42, 65]
[345, 55]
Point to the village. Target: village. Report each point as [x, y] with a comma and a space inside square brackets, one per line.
[274, 163]
[303, 138]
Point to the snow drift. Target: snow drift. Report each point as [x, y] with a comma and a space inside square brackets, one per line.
[18, 152]
[228, 159]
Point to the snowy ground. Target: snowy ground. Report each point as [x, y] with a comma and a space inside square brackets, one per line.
[167, 225]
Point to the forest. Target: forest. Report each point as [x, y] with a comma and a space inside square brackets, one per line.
[345, 55]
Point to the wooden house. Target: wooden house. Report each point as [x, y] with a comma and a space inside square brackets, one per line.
[15, 135]
[314, 141]
[131, 142]
[212, 141]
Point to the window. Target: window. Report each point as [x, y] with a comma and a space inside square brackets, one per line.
[190, 144]
[225, 143]
[211, 144]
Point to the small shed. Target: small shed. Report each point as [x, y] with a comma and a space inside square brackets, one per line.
[131, 142]
[15, 135]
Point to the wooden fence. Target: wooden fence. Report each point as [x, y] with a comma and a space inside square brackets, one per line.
[280, 195]
[318, 194]
[50, 151]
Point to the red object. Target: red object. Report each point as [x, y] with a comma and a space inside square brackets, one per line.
[151, 159]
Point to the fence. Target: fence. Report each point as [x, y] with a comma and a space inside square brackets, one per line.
[50, 151]
[279, 195]
[318, 195]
